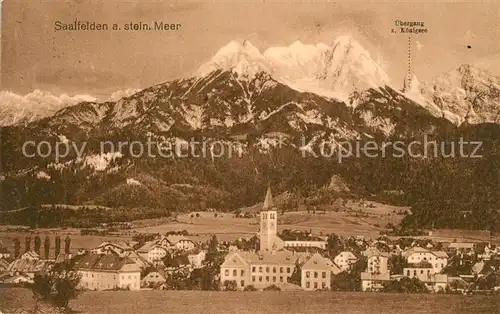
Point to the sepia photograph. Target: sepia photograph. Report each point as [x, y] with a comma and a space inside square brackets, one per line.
[249, 157]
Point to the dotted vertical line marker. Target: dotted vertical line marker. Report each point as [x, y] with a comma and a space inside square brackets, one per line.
[409, 61]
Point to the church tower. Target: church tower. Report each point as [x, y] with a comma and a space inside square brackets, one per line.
[268, 224]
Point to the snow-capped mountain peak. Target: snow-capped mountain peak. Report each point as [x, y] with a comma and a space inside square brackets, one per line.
[243, 59]
[334, 70]
[350, 66]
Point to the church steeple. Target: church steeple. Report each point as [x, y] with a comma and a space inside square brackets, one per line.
[268, 201]
[268, 223]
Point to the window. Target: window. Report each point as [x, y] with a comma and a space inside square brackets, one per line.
[274, 278]
[315, 285]
[308, 284]
[408, 273]
[308, 274]
[242, 283]
[267, 269]
[442, 265]
[235, 272]
[323, 274]
[323, 285]
[281, 269]
[242, 273]
[253, 269]
[267, 278]
[315, 274]
[415, 272]
[281, 278]
[421, 272]
[253, 278]
[260, 278]
[288, 269]
[226, 272]
[274, 269]
[260, 269]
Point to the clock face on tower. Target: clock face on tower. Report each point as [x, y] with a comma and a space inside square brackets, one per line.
[272, 224]
[264, 225]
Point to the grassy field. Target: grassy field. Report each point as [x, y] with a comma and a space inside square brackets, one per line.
[349, 220]
[206, 302]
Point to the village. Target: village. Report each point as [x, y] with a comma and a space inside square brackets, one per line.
[290, 261]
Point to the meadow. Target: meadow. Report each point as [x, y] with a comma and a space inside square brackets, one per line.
[211, 302]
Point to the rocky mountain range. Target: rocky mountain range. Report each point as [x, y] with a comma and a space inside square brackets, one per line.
[332, 93]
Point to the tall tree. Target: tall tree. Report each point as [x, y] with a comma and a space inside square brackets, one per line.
[55, 288]
[212, 248]
[17, 247]
[57, 246]
[67, 244]
[46, 247]
[27, 243]
[38, 244]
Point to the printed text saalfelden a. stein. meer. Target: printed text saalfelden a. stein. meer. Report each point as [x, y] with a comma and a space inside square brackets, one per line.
[85, 25]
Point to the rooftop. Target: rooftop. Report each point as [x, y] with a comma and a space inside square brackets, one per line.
[101, 262]
[268, 201]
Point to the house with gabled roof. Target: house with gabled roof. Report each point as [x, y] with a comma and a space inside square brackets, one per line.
[438, 259]
[152, 251]
[154, 278]
[180, 242]
[345, 260]
[316, 273]
[260, 269]
[107, 272]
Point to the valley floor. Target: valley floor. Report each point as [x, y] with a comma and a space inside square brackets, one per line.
[209, 302]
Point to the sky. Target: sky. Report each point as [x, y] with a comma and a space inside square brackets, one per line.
[35, 56]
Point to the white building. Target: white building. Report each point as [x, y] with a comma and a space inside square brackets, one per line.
[152, 252]
[259, 269]
[345, 260]
[424, 271]
[377, 270]
[438, 259]
[180, 242]
[316, 273]
[107, 272]
[196, 260]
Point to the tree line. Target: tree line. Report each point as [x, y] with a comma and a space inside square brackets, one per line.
[37, 246]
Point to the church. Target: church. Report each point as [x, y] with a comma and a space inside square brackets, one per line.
[268, 234]
[273, 263]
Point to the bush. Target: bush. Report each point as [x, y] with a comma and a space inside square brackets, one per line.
[250, 288]
[272, 288]
[230, 285]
